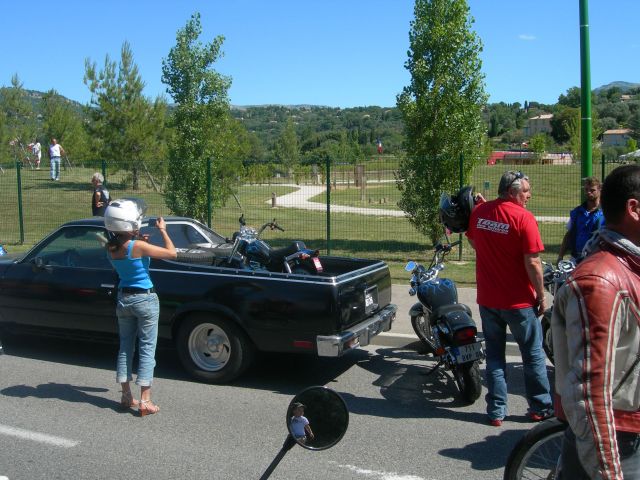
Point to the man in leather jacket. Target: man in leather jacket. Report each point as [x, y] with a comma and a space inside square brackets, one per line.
[596, 340]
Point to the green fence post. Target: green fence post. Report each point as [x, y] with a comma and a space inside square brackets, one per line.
[104, 172]
[603, 169]
[461, 180]
[328, 206]
[209, 192]
[20, 214]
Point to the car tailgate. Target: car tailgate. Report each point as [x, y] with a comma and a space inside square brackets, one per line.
[362, 293]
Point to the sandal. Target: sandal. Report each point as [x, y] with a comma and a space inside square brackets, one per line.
[146, 407]
[127, 401]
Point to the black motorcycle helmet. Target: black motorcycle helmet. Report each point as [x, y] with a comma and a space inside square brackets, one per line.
[455, 210]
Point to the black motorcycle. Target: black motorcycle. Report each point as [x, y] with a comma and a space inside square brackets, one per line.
[553, 278]
[446, 327]
[251, 252]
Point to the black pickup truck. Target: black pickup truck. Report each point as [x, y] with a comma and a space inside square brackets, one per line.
[217, 316]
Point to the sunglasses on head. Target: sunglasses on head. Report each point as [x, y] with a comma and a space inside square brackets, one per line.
[519, 176]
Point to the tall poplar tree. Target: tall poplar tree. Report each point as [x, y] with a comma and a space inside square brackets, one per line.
[204, 129]
[441, 108]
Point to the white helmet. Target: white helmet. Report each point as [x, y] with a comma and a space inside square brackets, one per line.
[124, 215]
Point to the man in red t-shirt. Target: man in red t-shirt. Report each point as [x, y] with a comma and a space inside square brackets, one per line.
[511, 293]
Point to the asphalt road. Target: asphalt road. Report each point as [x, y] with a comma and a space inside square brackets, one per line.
[60, 419]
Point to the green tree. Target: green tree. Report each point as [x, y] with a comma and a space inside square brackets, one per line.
[287, 148]
[63, 122]
[441, 108]
[634, 124]
[18, 123]
[572, 99]
[539, 144]
[127, 128]
[203, 125]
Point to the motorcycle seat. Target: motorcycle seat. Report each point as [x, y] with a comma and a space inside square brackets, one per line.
[277, 254]
[448, 309]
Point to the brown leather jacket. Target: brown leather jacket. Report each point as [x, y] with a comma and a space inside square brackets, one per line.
[596, 341]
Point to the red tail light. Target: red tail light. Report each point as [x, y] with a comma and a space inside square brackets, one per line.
[303, 344]
[465, 335]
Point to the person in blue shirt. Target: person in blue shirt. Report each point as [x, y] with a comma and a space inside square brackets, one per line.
[138, 308]
[583, 221]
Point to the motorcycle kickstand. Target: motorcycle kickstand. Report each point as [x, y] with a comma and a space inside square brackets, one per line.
[433, 369]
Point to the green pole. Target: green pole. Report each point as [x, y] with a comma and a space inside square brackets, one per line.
[585, 90]
[20, 214]
[328, 206]
[104, 172]
[460, 182]
[602, 175]
[209, 192]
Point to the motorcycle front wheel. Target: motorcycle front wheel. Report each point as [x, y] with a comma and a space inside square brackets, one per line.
[468, 381]
[536, 454]
[422, 327]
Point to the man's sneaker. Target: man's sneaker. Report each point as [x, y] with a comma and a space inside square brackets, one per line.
[540, 416]
[495, 422]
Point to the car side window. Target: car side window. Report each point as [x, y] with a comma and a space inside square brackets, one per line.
[81, 247]
[183, 235]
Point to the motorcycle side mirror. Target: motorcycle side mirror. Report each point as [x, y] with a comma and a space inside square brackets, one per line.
[411, 266]
[241, 220]
[317, 419]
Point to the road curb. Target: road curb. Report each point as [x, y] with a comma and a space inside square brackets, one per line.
[405, 340]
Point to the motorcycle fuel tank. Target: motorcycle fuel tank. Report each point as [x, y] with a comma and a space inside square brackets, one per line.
[437, 293]
[259, 251]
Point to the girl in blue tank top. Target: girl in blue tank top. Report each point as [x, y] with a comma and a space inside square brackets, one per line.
[138, 308]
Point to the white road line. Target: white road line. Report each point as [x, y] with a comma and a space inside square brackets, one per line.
[376, 474]
[37, 437]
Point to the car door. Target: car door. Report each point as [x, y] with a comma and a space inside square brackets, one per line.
[65, 282]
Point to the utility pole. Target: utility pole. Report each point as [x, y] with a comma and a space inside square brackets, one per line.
[585, 91]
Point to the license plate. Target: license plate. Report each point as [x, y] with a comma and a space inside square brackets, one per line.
[467, 353]
[368, 299]
[317, 263]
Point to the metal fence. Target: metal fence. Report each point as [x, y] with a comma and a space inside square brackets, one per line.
[357, 217]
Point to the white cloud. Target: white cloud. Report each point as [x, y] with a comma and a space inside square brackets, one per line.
[527, 38]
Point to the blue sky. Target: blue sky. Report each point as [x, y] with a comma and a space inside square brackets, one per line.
[340, 53]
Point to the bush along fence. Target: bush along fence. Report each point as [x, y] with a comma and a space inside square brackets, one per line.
[345, 210]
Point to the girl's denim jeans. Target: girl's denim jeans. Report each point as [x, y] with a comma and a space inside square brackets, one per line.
[137, 318]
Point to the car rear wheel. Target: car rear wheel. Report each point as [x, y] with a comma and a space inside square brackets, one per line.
[213, 349]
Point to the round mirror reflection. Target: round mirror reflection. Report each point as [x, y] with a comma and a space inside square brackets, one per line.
[317, 418]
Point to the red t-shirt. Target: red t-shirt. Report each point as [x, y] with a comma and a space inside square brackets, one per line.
[503, 232]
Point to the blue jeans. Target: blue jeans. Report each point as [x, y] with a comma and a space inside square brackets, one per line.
[527, 331]
[137, 317]
[54, 171]
[571, 468]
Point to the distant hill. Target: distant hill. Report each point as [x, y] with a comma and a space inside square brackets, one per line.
[623, 86]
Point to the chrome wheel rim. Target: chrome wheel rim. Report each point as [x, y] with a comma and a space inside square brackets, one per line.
[209, 347]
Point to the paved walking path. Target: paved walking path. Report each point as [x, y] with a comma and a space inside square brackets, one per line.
[300, 199]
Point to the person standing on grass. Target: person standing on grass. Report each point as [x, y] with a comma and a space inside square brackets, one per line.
[36, 151]
[583, 221]
[55, 153]
[507, 242]
[596, 343]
